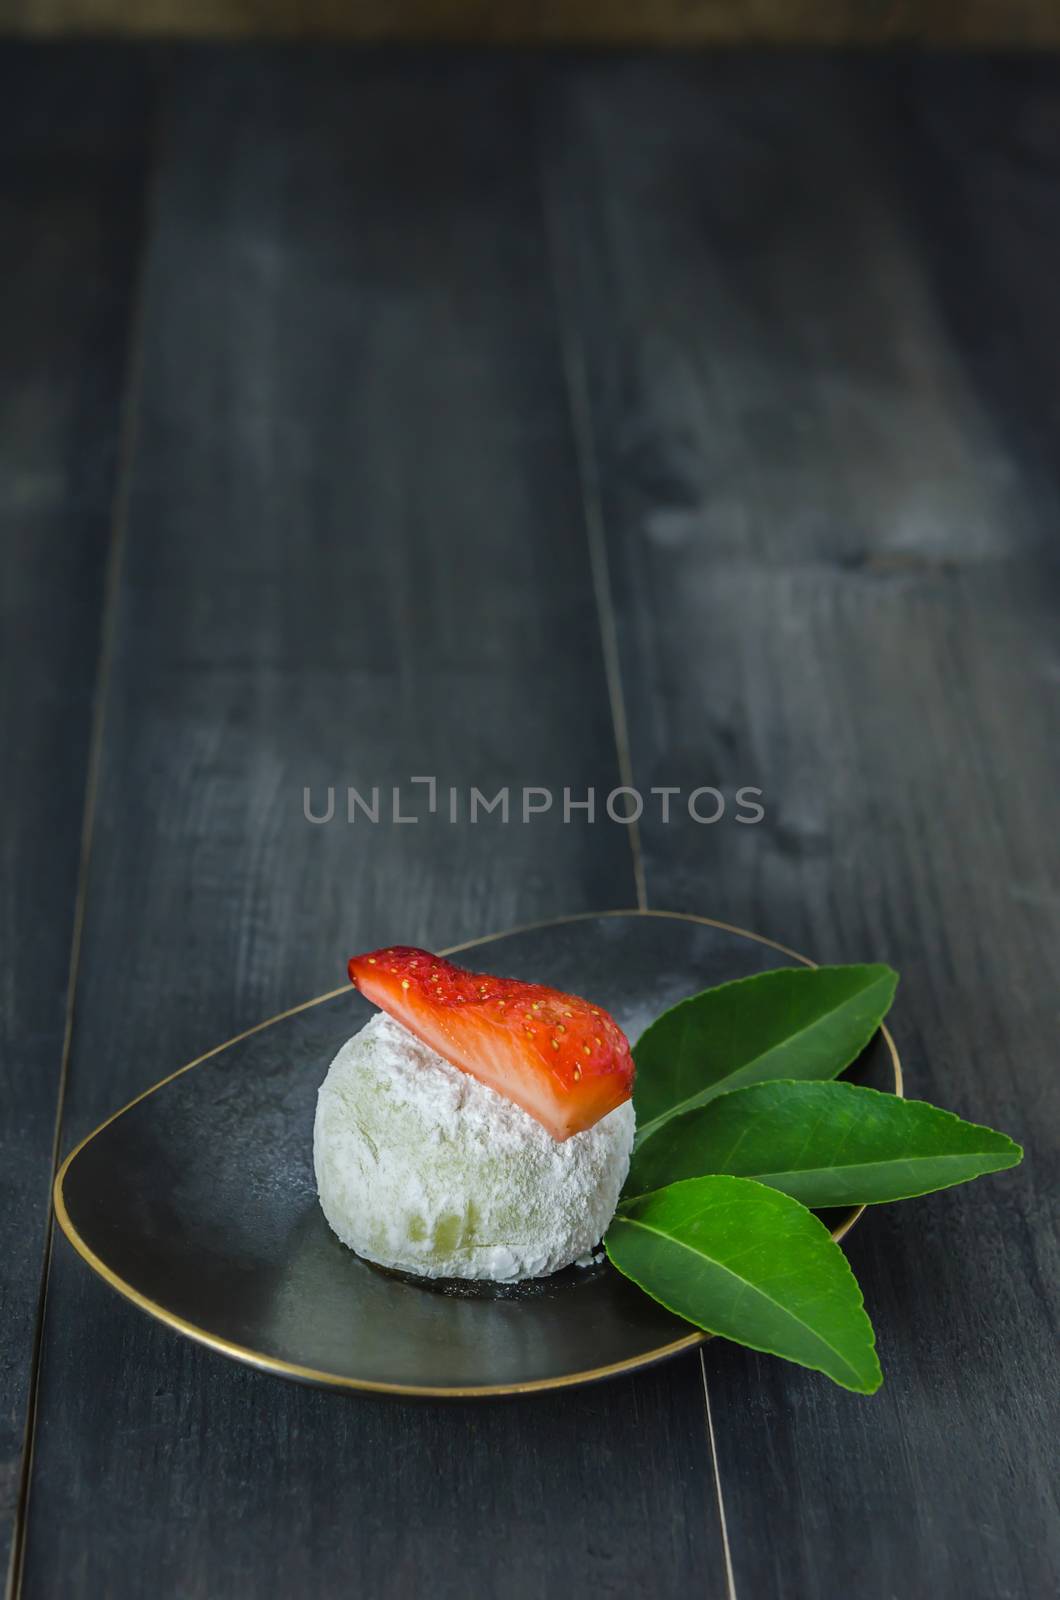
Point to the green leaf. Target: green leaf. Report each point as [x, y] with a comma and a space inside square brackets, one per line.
[826, 1144]
[753, 1265]
[795, 1022]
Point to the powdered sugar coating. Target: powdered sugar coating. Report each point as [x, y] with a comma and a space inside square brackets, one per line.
[421, 1167]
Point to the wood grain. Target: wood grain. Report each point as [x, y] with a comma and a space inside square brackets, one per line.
[805, 311]
[355, 553]
[816, 312]
[70, 186]
[1034, 23]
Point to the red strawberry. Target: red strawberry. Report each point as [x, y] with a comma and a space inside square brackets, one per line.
[563, 1060]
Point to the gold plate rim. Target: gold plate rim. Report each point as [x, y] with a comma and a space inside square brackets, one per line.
[263, 1362]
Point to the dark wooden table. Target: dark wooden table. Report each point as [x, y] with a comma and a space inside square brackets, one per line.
[560, 421]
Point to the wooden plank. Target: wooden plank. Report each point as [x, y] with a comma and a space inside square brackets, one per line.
[71, 131]
[355, 554]
[688, 22]
[815, 306]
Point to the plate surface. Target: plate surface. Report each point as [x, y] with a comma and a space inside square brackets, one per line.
[197, 1201]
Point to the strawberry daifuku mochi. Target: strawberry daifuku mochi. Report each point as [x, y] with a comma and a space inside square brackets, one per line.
[482, 1129]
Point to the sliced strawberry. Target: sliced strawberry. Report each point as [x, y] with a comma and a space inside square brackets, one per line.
[565, 1061]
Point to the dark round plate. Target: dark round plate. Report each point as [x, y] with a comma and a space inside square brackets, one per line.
[197, 1201]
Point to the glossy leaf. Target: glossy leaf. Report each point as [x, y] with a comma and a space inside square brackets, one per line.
[751, 1264]
[826, 1144]
[795, 1022]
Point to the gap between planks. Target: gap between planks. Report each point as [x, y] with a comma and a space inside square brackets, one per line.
[104, 660]
[573, 362]
[572, 359]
